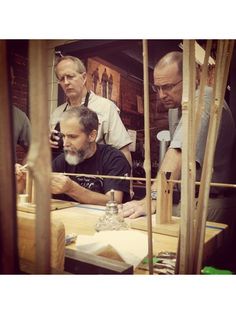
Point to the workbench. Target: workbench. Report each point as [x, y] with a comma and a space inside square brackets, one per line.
[81, 220]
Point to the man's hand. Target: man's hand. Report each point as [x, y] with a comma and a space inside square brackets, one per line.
[20, 178]
[136, 209]
[54, 139]
[60, 184]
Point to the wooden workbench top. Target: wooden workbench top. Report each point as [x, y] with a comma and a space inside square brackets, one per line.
[81, 220]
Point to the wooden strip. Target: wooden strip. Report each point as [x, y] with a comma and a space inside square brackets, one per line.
[188, 159]
[191, 150]
[230, 185]
[147, 162]
[8, 240]
[209, 153]
[207, 169]
[39, 158]
[164, 199]
[209, 156]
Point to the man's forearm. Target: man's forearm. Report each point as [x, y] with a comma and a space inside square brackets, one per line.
[171, 163]
[85, 196]
[125, 150]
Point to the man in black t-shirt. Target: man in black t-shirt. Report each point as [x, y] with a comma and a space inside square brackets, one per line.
[83, 155]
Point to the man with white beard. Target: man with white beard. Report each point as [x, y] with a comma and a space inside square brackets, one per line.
[82, 155]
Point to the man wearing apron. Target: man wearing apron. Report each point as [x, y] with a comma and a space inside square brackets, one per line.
[71, 75]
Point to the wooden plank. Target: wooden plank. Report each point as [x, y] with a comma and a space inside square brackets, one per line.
[39, 158]
[27, 241]
[8, 240]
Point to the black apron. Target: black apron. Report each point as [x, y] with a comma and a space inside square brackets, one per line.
[59, 150]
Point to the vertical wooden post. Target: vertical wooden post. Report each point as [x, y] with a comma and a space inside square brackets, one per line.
[164, 199]
[147, 162]
[223, 58]
[39, 159]
[188, 160]
[8, 227]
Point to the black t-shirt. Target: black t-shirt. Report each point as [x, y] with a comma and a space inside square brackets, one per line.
[107, 160]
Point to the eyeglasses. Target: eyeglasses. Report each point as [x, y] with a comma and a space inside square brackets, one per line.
[68, 78]
[165, 88]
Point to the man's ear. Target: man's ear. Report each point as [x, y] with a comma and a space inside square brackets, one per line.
[84, 75]
[93, 136]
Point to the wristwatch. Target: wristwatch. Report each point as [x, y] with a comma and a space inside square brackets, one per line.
[153, 195]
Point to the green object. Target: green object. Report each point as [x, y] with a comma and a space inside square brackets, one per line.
[208, 270]
[154, 260]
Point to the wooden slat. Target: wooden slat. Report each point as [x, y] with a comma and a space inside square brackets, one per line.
[39, 159]
[8, 240]
[147, 161]
[222, 67]
[188, 159]
[164, 200]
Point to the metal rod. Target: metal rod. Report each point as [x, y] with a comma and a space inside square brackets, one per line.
[226, 185]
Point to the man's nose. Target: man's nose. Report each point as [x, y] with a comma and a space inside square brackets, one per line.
[66, 142]
[161, 94]
[65, 80]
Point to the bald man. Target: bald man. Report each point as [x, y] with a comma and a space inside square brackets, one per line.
[168, 85]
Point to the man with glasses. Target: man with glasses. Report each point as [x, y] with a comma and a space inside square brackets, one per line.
[168, 86]
[72, 77]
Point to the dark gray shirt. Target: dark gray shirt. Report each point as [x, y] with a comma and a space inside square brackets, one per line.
[21, 128]
[225, 140]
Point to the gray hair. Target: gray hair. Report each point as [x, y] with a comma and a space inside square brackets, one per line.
[172, 57]
[80, 67]
[87, 119]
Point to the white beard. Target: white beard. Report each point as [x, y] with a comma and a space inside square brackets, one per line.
[72, 159]
[75, 158]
